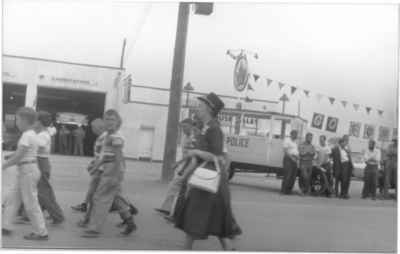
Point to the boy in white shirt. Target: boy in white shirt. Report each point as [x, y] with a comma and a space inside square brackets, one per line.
[25, 188]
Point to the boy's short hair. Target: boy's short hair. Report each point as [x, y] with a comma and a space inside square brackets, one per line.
[44, 118]
[113, 112]
[29, 114]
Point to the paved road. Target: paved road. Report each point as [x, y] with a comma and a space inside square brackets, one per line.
[270, 222]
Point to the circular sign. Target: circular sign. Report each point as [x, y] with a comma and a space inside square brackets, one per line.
[318, 119]
[332, 123]
[241, 73]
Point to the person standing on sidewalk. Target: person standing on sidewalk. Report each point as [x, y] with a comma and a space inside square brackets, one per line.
[78, 136]
[110, 184]
[372, 158]
[64, 140]
[24, 190]
[343, 167]
[390, 171]
[46, 195]
[203, 213]
[323, 160]
[290, 163]
[307, 155]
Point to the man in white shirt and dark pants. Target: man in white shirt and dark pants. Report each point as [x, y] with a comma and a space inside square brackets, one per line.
[290, 163]
[372, 158]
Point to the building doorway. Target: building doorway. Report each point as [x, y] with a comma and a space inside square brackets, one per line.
[13, 98]
[87, 103]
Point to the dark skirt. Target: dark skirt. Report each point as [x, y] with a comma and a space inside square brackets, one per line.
[200, 213]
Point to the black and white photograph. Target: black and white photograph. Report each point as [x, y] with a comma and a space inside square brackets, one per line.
[200, 126]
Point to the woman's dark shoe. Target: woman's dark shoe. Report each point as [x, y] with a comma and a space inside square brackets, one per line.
[133, 210]
[130, 227]
[36, 237]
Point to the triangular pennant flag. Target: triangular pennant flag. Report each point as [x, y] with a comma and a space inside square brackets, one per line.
[256, 77]
[356, 106]
[293, 89]
[380, 112]
[368, 109]
[319, 96]
[269, 81]
[306, 92]
[249, 87]
[344, 103]
[332, 100]
[281, 85]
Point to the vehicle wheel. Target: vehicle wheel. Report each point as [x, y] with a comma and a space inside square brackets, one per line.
[319, 182]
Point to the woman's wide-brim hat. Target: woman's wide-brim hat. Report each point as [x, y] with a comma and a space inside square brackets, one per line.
[213, 101]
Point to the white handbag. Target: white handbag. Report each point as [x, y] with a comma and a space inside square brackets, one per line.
[206, 179]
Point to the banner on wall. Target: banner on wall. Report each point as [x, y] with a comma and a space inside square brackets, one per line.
[332, 124]
[317, 121]
[355, 129]
[369, 131]
[383, 133]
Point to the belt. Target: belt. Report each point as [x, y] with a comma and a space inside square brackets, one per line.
[26, 162]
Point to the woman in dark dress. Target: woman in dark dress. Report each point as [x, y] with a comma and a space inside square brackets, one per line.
[203, 213]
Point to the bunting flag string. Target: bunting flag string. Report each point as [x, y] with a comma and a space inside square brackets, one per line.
[307, 93]
[269, 81]
[293, 89]
[256, 77]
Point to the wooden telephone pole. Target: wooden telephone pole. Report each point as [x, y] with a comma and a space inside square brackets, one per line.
[175, 92]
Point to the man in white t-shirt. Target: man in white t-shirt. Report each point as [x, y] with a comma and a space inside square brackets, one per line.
[25, 188]
[290, 163]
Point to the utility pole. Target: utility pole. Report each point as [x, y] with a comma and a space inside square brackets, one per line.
[175, 92]
[121, 65]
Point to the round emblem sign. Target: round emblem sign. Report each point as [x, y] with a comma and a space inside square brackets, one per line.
[332, 124]
[241, 73]
[318, 120]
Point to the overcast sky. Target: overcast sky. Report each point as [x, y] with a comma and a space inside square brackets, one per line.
[344, 51]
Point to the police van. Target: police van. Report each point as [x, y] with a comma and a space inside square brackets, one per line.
[254, 139]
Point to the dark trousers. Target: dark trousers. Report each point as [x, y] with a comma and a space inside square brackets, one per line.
[305, 177]
[390, 172]
[343, 177]
[46, 195]
[290, 174]
[370, 181]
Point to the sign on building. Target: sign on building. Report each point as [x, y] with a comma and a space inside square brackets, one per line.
[317, 121]
[332, 124]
